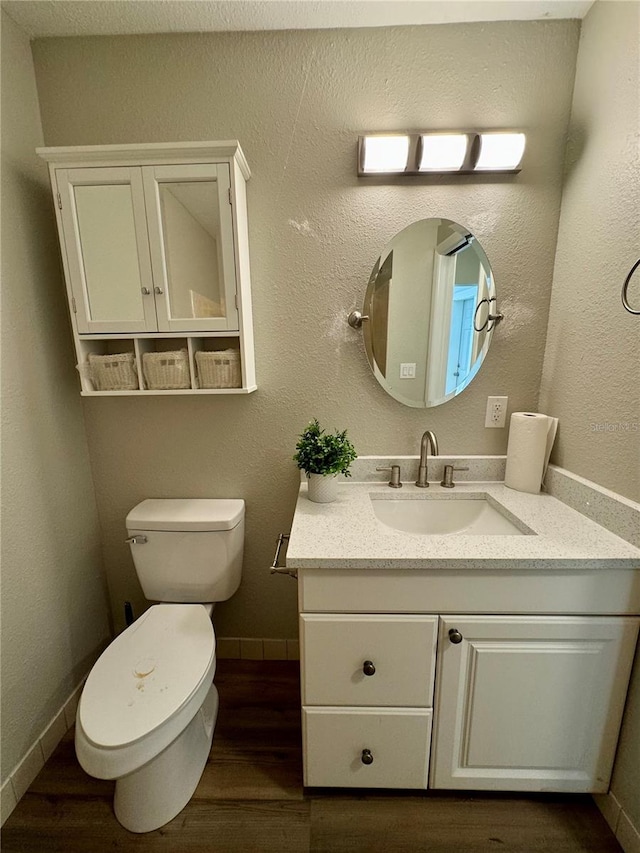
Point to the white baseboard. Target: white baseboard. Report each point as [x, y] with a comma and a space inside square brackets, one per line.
[610, 809]
[23, 774]
[250, 648]
[626, 833]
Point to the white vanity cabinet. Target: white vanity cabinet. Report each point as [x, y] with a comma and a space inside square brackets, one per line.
[401, 690]
[154, 244]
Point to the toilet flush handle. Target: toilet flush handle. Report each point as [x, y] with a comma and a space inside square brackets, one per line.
[139, 539]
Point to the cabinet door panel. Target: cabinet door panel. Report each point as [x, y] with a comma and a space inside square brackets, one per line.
[106, 249]
[530, 703]
[399, 651]
[191, 239]
[396, 742]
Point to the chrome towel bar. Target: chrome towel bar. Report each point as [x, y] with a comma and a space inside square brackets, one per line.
[282, 570]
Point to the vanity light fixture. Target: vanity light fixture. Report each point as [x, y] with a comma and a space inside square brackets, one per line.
[423, 153]
[500, 151]
[442, 152]
[384, 154]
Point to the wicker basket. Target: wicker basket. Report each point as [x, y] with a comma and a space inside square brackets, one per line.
[219, 369]
[164, 371]
[113, 372]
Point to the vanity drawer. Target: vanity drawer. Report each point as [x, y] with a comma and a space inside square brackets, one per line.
[353, 659]
[366, 747]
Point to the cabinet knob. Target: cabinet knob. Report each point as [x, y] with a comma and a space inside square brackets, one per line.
[367, 758]
[455, 636]
[145, 291]
[368, 668]
[158, 290]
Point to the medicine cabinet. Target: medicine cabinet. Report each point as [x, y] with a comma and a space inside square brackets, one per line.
[155, 251]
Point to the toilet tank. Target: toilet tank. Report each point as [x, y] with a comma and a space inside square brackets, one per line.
[187, 550]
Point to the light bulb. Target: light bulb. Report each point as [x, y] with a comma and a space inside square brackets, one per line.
[443, 152]
[385, 153]
[500, 151]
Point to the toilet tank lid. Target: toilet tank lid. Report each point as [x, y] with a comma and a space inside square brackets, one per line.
[186, 514]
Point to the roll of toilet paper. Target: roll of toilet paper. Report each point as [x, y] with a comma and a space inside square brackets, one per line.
[531, 437]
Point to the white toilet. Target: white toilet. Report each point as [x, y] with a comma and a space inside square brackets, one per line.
[148, 709]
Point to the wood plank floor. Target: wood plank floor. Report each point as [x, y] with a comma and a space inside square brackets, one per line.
[251, 799]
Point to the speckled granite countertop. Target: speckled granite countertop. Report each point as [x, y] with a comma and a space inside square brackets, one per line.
[346, 534]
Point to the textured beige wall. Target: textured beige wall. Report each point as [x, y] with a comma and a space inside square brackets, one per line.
[297, 101]
[591, 377]
[592, 360]
[54, 605]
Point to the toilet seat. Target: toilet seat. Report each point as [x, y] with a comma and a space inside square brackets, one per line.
[145, 688]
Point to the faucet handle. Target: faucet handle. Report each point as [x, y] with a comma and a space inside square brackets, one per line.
[447, 481]
[394, 482]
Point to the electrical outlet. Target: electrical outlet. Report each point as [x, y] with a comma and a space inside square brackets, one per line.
[496, 415]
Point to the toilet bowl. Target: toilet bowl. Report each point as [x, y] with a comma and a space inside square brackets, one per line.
[147, 713]
[148, 709]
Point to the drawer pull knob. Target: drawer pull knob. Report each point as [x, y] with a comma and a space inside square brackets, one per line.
[455, 636]
[368, 668]
[367, 758]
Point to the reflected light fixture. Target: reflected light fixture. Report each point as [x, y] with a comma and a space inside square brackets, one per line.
[423, 153]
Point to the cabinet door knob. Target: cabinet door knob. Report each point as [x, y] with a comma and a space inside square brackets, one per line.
[158, 290]
[368, 668]
[367, 758]
[145, 291]
[455, 636]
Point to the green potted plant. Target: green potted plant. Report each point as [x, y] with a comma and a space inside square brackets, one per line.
[322, 456]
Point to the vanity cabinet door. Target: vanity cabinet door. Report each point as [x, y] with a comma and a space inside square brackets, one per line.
[192, 246]
[104, 232]
[530, 703]
[354, 659]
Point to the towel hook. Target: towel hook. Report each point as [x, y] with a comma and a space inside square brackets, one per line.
[625, 288]
[495, 317]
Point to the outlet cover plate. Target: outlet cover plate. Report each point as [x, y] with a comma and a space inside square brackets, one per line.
[496, 414]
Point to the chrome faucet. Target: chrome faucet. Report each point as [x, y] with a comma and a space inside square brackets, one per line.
[428, 439]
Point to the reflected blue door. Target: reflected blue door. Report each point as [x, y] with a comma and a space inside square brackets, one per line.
[461, 335]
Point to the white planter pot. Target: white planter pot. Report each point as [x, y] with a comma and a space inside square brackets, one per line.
[323, 488]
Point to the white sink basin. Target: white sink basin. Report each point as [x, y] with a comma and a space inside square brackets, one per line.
[445, 516]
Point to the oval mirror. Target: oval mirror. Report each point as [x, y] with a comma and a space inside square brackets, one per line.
[430, 306]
